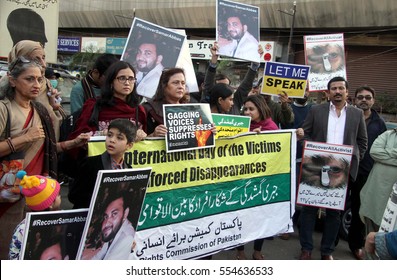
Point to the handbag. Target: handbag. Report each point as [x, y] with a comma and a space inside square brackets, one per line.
[9, 166]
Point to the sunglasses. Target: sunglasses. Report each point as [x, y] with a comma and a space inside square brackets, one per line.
[361, 97]
[19, 60]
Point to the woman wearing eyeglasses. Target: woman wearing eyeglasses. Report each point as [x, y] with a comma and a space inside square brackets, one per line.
[30, 138]
[47, 96]
[118, 99]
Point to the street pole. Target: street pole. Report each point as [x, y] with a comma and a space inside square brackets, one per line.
[291, 32]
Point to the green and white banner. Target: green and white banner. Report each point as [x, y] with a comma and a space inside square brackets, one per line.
[202, 201]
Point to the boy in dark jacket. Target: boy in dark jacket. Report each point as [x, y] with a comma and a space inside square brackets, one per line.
[120, 138]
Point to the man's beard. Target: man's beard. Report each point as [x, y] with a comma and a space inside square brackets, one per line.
[146, 68]
[337, 100]
[363, 107]
[236, 37]
[112, 234]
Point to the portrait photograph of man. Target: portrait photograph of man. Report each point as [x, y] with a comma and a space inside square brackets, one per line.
[324, 175]
[47, 239]
[238, 30]
[113, 216]
[150, 49]
[325, 54]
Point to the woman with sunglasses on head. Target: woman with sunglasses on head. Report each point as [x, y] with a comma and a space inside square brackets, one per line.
[32, 50]
[31, 133]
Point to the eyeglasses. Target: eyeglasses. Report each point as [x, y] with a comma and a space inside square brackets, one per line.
[19, 60]
[361, 97]
[123, 79]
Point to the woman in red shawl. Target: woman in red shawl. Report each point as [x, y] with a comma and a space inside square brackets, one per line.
[118, 99]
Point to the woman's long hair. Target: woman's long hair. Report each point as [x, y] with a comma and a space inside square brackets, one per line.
[260, 103]
[164, 79]
[219, 90]
[107, 91]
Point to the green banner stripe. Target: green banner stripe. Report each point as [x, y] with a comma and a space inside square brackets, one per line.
[175, 206]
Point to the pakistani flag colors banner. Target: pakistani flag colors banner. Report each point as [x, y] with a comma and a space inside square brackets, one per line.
[199, 202]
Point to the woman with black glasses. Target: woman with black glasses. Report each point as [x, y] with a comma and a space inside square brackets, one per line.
[118, 100]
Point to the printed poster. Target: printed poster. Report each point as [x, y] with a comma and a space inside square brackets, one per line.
[324, 175]
[326, 56]
[150, 49]
[284, 78]
[112, 220]
[230, 125]
[188, 126]
[185, 62]
[53, 235]
[202, 201]
[29, 20]
[237, 30]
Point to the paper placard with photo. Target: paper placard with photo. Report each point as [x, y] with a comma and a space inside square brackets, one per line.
[324, 175]
[325, 54]
[112, 220]
[53, 235]
[185, 62]
[188, 126]
[150, 49]
[237, 30]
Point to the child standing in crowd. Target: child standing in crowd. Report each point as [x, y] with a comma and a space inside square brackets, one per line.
[41, 194]
[120, 138]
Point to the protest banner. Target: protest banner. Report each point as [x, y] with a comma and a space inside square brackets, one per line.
[324, 175]
[188, 126]
[53, 235]
[150, 49]
[230, 125]
[113, 214]
[237, 30]
[326, 56]
[202, 201]
[284, 78]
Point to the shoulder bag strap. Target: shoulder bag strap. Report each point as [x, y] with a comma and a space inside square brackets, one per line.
[8, 123]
